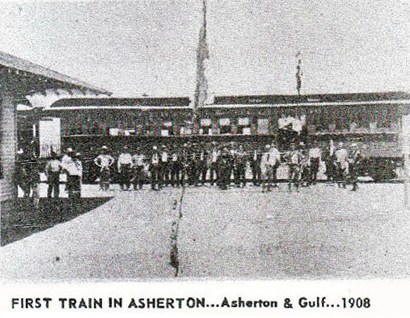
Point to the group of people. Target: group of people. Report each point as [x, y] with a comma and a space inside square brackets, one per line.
[29, 168]
[224, 165]
[194, 164]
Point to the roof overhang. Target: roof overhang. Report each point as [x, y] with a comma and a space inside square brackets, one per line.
[26, 78]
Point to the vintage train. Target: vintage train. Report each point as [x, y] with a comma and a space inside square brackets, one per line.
[373, 120]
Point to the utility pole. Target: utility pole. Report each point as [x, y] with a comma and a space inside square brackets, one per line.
[299, 73]
[201, 81]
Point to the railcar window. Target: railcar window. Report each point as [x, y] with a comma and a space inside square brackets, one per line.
[390, 118]
[95, 129]
[206, 126]
[274, 121]
[319, 121]
[206, 122]
[79, 128]
[263, 126]
[243, 126]
[224, 126]
[167, 129]
[243, 121]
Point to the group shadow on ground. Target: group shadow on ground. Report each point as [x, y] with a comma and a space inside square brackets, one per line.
[24, 220]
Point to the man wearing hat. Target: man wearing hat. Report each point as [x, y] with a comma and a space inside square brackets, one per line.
[52, 172]
[193, 165]
[23, 172]
[232, 154]
[34, 177]
[155, 166]
[124, 169]
[240, 166]
[342, 163]
[104, 161]
[202, 163]
[304, 165]
[213, 160]
[294, 158]
[255, 163]
[176, 168]
[164, 166]
[185, 159]
[68, 156]
[224, 169]
[275, 163]
[76, 175]
[265, 169]
[314, 161]
[355, 159]
[74, 170]
[269, 164]
[138, 166]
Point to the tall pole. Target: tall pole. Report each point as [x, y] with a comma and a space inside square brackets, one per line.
[299, 73]
[201, 81]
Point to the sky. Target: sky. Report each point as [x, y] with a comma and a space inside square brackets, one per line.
[149, 47]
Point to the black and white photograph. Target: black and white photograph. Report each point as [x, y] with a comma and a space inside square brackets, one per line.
[205, 140]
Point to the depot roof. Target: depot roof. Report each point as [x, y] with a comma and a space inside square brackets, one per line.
[30, 77]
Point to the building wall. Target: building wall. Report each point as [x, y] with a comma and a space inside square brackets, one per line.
[8, 137]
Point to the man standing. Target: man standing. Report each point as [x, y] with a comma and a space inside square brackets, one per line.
[124, 169]
[342, 162]
[23, 173]
[314, 161]
[164, 166]
[224, 169]
[295, 158]
[270, 162]
[176, 168]
[104, 161]
[304, 166]
[232, 154]
[184, 158]
[68, 156]
[138, 167]
[74, 169]
[240, 167]
[155, 168]
[52, 171]
[255, 161]
[328, 156]
[193, 166]
[35, 179]
[214, 158]
[202, 163]
[355, 160]
[275, 162]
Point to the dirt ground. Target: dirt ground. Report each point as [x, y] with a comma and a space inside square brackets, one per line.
[321, 232]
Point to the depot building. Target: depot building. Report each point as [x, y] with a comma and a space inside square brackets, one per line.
[18, 79]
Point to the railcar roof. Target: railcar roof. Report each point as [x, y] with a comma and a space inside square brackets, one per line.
[316, 98]
[113, 102]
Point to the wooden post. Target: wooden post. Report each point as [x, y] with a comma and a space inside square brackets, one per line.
[8, 143]
[8, 147]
